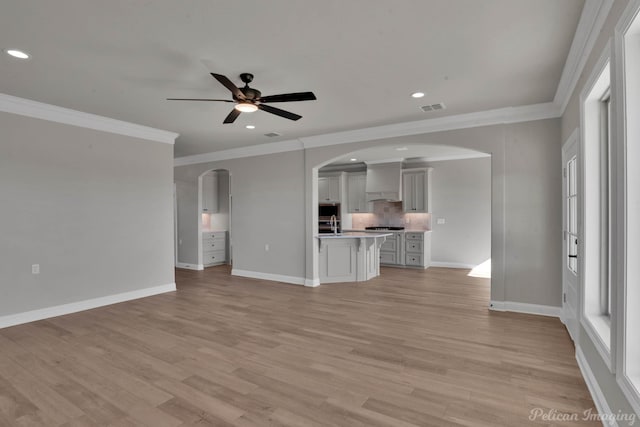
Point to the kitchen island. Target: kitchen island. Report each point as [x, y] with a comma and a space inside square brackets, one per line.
[350, 257]
[404, 248]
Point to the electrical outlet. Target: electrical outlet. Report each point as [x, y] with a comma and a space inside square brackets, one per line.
[179, 241]
[266, 247]
[441, 221]
[35, 269]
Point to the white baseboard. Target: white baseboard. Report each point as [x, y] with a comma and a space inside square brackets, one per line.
[189, 266]
[451, 265]
[74, 307]
[520, 307]
[268, 276]
[312, 283]
[596, 392]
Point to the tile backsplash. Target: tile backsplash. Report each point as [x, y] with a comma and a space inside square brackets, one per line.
[390, 213]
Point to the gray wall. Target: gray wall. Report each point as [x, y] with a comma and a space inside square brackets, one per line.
[526, 202]
[461, 193]
[188, 217]
[93, 209]
[267, 208]
[273, 202]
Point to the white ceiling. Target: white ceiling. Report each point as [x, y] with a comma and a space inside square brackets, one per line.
[362, 59]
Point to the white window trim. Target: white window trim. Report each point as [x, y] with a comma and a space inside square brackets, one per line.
[628, 384]
[597, 326]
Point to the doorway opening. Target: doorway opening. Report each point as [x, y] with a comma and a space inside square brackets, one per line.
[214, 224]
[452, 203]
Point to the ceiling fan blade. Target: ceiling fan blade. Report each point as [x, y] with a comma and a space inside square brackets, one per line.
[229, 85]
[289, 97]
[279, 112]
[233, 115]
[198, 99]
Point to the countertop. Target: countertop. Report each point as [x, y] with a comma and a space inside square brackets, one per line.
[387, 231]
[354, 235]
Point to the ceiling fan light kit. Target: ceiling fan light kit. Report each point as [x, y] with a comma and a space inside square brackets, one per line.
[248, 99]
[246, 107]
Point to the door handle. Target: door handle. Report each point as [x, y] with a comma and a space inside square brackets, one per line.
[572, 256]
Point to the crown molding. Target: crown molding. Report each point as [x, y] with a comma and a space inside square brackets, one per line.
[475, 155]
[594, 14]
[237, 153]
[53, 113]
[461, 121]
[384, 162]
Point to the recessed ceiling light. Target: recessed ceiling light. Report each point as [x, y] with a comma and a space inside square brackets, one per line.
[17, 54]
[417, 94]
[401, 149]
[250, 126]
[354, 160]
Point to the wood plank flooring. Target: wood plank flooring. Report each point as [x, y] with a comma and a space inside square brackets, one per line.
[409, 348]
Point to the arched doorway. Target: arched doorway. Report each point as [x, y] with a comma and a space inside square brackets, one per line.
[214, 224]
[409, 153]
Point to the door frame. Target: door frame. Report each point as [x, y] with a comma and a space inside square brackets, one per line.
[570, 148]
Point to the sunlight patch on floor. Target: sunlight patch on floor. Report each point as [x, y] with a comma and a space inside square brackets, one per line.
[481, 270]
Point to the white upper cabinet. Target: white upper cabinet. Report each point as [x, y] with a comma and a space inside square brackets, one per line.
[210, 193]
[329, 189]
[356, 192]
[416, 190]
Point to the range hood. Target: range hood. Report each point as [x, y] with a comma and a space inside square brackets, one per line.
[384, 181]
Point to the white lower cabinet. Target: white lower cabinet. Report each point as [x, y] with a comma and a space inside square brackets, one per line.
[214, 248]
[407, 249]
[391, 250]
[417, 249]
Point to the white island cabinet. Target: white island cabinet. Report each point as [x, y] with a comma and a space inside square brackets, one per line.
[350, 257]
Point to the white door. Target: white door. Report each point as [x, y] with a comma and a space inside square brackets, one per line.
[570, 236]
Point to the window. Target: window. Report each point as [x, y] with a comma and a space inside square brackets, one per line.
[572, 215]
[594, 248]
[605, 203]
[628, 129]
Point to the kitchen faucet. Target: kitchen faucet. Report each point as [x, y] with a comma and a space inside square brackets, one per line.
[333, 222]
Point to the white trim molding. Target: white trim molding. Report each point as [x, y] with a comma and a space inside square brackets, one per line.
[241, 152]
[465, 156]
[596, 392]
[632, 393]
[187, 266]
[74, 307]
[451, 265]
[53, 113]
[461, 121]
[594, 14]
[520, 307]
[312, 283]
[268, 276]
[498, 116]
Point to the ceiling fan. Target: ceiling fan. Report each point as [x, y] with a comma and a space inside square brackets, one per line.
[248, 100]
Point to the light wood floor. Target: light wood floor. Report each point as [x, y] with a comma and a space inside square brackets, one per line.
[410, 348]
